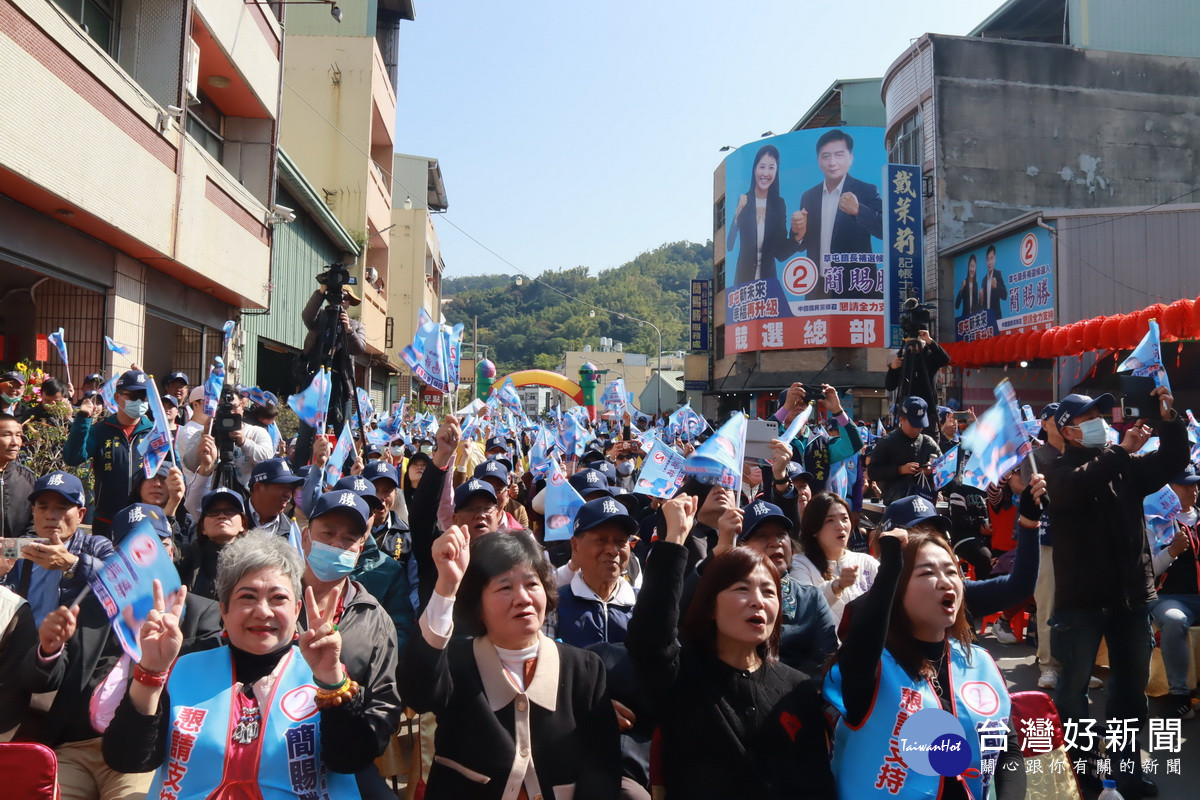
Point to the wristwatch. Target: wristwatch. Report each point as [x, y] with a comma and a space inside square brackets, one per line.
[69, 572]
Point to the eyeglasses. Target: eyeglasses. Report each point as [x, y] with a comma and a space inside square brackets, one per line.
[227, 513]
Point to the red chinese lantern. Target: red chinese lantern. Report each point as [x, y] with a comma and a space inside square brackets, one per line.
[1031, 348]
[1076, 330]
[1128, 336]
[1046, 348]
[1110, 332]
[1062, 341]
[1195, 320]
[1176, 320]
[1091, 334]
[964, 355]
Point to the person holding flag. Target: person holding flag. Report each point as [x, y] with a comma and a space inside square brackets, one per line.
[1103, 577]
[111, 445]
[78, 655]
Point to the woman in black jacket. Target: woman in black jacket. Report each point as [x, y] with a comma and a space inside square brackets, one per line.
[735, 722]
[761, 221]
[516, 711]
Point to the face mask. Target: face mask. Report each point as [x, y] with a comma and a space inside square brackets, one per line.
[1095, 432]
[625, 468]
[136, 409]
[9, 399]
[330, 563]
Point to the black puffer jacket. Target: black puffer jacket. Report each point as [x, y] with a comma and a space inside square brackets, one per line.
[16, 511]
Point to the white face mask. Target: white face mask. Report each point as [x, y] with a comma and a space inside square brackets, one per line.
[1094, 432]
[625, 468]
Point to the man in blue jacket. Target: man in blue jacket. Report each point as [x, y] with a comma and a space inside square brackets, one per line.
[53, 573]
[111, 446]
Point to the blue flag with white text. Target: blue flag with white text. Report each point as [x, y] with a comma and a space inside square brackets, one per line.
[718, 459]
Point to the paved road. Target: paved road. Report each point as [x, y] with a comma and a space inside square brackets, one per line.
[1017, 662]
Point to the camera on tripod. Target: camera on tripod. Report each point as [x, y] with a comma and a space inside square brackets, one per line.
[914, 318]
[225, 422]
[334, 278]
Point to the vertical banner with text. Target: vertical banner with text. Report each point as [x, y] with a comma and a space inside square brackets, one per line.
[905, 242]
[701, 314]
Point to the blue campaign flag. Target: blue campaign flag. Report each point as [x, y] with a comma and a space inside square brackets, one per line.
[562, 504]
[719, 459]
[125, 584]
[686, 422]
[341, 451]
[155, 447]
[506, 395]
[539, 453]
[258, 396]
[1161, 508]
[426, 356]
[312, 404]
[60, 344]
[879, 431]
[797, 425]
[276, 437]
[843, 476]
[114, 347]
[227, 330]
[452, 347]
[108, 393]
[1194, 436]
[1146, 359]
[614, 397]
[364, 404]
[945, 467]
[662, 472]
[996, 441]
[212, 386]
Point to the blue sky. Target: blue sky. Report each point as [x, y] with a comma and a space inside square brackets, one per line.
[577, 133]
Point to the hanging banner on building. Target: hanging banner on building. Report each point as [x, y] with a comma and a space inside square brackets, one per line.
[905, 242]
[804, 241]
[1006, 286]
[701, 314]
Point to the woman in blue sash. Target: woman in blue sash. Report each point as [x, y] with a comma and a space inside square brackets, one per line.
[924, 712]
[258, 720]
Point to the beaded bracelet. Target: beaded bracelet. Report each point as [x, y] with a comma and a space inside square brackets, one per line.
[329, 698]
[152, 679]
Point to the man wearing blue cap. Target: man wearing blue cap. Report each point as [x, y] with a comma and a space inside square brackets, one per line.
[338, 528]
[598, 602]
[271, 485]
[55, 569]
[12, 388]
[1104, 581]
[902, 461]
[111, 445]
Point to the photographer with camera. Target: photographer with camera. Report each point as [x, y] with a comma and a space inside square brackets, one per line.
[913, 370]
[901, 461]
[233, 447]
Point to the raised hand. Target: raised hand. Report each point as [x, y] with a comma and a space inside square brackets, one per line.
[321, 644]
[451, 555]
[57, 629]
[321, 450]
[160, 637]
[848, 202]
[176, 488]
[448, 437]
[87, 406]
[895, 533]
[847, 577]
[679, 513]
[729, 525]
[740, 205]
[799, 224]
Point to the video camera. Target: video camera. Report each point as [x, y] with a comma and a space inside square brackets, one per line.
[914, 318]
[225, 422]
[334, 278]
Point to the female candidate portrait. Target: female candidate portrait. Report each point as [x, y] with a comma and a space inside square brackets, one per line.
[968, 293]
[761, 222]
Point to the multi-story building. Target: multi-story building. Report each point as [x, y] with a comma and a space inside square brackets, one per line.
[415, 254]
[339, 112]
[137, 153]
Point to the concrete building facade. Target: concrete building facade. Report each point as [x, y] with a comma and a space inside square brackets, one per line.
[136, 176]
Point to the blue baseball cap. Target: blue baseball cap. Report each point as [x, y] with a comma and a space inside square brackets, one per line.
[603, 511]
[496, 442]
[222, 493]
[177, 376]
[1073, 405]
[273, 470]
[473, 488]
[797, 472]
[916, 411]
[1048, 412]
[61, 483]
[911, 510]
[12, 375]
[586, 481]
[758, 513]
[345, 501]
[608, 470]
[1187, 478]
[361, 487]
[493, 469]
[379, 470]
[129, 517]
[169, 398]
[132, 380]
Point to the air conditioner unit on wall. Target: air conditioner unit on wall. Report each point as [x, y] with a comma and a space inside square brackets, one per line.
[191, 71]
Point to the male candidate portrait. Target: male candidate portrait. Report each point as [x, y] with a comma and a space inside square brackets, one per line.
[839, 215]
[992, 292]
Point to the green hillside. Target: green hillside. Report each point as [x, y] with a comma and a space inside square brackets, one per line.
[531, 325]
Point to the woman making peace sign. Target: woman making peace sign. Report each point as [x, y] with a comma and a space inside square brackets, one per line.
[256, 719]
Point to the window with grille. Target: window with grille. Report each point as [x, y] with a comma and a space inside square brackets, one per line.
[909, 145]
[718, 215]
[100, 19]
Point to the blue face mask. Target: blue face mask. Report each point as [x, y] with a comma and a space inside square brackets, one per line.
[136, 409]
[1095, 432]
[330, 564]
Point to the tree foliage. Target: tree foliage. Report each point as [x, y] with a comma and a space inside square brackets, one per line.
[532, 325]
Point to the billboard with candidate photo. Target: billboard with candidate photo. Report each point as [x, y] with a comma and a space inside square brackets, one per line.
[804, 250]
[1006, 286]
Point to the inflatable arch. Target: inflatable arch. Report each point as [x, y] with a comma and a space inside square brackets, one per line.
[544, 377]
